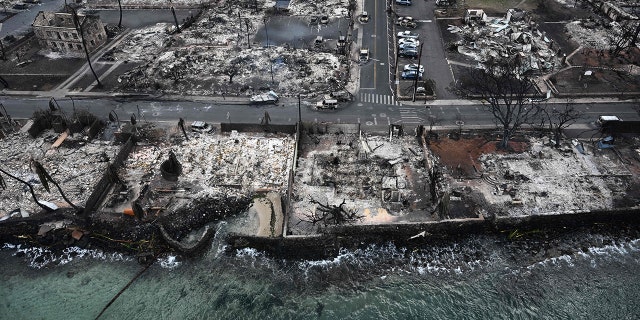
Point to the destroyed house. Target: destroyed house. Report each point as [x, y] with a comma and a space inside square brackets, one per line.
[472, 15]
[57, 32]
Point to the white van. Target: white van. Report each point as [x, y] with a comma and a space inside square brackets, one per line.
[327, 104]
[603, 120]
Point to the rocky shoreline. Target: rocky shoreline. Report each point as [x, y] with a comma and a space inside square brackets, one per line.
[143, 239]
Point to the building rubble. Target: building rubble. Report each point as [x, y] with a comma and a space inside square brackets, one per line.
[213, 165]
[489, 38]
[382, 179]
[77, 164]
[546, 180]
[196, 61]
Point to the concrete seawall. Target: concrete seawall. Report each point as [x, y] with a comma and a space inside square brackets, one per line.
[414, 235]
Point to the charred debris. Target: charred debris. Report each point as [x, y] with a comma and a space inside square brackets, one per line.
[147, 188]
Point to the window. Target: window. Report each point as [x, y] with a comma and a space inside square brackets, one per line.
[70, 46]
[66, 35]
[99, 37]
[49, 34]
[54, 44]
[93, 43]
[58, 34]
[75, 35]
[79, 47]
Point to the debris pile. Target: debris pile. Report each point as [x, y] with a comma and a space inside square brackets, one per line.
[76, 165]
[545, 180]
[329, 8]
[197, 60]
[380, 179]
[493, 38]
[590, 34]
[212, 165]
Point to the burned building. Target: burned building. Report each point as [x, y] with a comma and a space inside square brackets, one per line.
[57, 32]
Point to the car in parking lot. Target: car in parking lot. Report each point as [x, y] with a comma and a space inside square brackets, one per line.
[403, 2]
[401, 19]
[411, 75]
[408, 34]
[408, 46]
[409, 40]
[408, 53]
[413, 66]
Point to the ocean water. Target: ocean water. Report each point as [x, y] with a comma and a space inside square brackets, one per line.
[484, 277]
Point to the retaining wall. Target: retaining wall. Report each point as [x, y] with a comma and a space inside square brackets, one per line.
[413, 235]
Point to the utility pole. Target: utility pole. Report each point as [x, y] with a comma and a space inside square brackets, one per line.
[173, 11]
[268, 46]
[239, 27]
[4, 56]
[246, 21]
[79, 29]
[415, 82]
[299, 112]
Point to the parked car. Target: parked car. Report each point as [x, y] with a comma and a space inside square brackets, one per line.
[403, 2]
[409, 40]
[411, 75]
[413, 66]
[341, 96]
[201, 126]
[324, 19]
[399, 20]
[408, 34]
[408, 46]
[409, 53]
[408, 24]
[364, 17]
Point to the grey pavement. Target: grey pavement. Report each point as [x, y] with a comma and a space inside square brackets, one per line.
[20, 23]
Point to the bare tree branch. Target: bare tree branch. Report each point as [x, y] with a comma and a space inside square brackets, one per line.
[331, 214]
[506, 90]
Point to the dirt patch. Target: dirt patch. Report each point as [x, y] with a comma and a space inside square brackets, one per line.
[461, 156]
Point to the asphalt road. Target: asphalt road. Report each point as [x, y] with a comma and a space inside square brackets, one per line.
[371, 117]
[374, 74]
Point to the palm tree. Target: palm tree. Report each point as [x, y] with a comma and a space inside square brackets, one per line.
[3, 185]
[45, 177]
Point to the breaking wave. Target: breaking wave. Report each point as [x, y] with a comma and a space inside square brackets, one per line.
[37, 257]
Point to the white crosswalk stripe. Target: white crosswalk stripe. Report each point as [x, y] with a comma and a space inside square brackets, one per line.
[410, 116]
[379, 99]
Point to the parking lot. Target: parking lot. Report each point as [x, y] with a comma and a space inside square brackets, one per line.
[418, 19]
